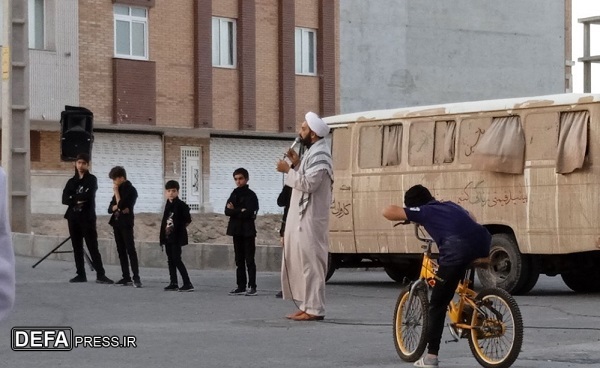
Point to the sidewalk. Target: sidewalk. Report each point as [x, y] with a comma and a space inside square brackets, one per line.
[201, 256]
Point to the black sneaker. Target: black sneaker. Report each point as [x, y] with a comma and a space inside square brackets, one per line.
[123, 282]
[237, 291]
[251, 292]
[187, 287]
[171, 287]
[279, 295]
[104, 280]
[78, 279]
[137, 283]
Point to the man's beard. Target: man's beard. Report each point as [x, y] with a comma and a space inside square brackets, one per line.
[306, 142]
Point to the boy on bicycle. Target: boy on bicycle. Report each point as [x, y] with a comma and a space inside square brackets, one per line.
[460, 240]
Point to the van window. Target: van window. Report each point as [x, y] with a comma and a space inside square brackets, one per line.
[380, 146]
[541, 136]
[339, 148]
[420, 146]
[572, 141]
[445, 141]
[502, 147]
[470, 132]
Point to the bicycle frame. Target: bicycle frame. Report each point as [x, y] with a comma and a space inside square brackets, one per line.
[428, 277]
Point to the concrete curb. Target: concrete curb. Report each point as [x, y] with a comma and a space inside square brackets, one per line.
[200, 256]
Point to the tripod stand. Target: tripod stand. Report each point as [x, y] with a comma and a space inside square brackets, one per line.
[87, 257]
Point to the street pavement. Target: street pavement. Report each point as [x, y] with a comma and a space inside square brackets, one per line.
[208, 328]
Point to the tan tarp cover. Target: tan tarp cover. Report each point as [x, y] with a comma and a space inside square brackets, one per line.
[502, 147]
[572, 141]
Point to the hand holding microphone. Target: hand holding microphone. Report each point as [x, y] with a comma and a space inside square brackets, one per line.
[283, 166]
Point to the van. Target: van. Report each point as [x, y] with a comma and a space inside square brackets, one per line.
[527, 168]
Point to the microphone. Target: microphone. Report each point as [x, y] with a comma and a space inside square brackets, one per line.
[297, 141]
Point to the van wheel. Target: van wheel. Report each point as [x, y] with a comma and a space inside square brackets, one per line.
[509, 269]
[403, 271]
[331, 266]
[582, 280]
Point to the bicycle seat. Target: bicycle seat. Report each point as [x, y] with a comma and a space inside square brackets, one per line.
[483, 262]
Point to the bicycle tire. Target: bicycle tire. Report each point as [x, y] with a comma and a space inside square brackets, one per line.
[497, 340]
[410, 324]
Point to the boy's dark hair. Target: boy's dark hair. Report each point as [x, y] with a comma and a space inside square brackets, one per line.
[83, 156]
[172, 184]
[117, 172]
[417, 196]
[242, 171]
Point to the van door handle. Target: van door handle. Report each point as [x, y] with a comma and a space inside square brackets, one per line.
[344, 187]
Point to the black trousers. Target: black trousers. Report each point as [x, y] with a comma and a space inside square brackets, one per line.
[442, 294]
[126, 249]
[80, 230]
[175, 263]
[244, 248]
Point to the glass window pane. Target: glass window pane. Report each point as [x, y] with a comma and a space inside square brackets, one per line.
[138, 12]
[230, 37]
[122, 38]
[121, 10]
[138, 39]
[311, 52]
[215, 41]
[298, 51]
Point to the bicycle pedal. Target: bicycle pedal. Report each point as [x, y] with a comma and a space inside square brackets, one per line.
[453, 340]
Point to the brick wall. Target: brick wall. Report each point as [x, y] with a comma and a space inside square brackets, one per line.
[267, 65]
[95, 58]
[50, 153]
[171, 31]
[307, 97]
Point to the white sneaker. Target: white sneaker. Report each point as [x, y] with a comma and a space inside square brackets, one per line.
[429, 364]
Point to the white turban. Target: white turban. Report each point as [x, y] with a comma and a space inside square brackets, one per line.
[316, 124]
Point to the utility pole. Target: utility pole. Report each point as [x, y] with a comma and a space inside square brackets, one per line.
[15, 113]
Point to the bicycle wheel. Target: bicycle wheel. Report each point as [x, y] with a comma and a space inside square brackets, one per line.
[410, 324]
[497, 336]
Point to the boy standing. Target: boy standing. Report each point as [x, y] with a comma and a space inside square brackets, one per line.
[173, 235]
[121, 209]
[242, 207]
[80, 195]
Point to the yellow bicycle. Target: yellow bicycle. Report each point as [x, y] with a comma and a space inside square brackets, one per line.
[489, 319]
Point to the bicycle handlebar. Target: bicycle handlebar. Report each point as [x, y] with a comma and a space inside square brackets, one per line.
[417, 234]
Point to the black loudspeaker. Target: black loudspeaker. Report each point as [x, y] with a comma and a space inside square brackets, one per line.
[76, 132]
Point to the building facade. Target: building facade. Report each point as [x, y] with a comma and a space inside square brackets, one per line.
[187, 90]
[399, 53]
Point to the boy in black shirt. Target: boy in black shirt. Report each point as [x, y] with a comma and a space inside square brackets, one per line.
[121, 209]
[241, 208]
[80, 195]
[173, 235]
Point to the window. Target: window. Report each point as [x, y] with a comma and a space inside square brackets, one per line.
[339, 148]
[306, 51]
[420, 143]
[380, 146]
[223, 42]
[572, 141]
[131, 32]
[444, 142]
[36, 24]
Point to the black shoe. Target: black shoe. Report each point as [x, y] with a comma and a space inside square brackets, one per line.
[187, 287]
[78, 279]
[237, 291]
[171, 287]
[123, 282]
[137, 283]
[104, 280]
[251, 292]
[279, 295]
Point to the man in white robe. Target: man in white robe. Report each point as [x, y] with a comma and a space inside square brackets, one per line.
[306, 238]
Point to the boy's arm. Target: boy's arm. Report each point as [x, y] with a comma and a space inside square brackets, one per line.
[67, 195]
[394, 213]
[230, 210]
[113, 201]
[251, 207]
[128, 200]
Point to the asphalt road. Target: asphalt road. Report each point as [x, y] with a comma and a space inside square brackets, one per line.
[208, 328]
